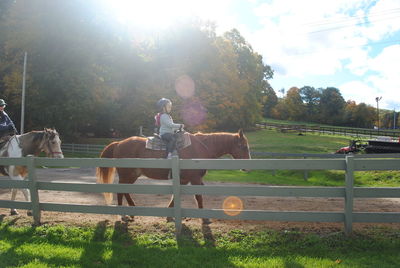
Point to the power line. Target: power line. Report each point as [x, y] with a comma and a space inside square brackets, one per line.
[351, 25]
[363, 45]
[354, 18]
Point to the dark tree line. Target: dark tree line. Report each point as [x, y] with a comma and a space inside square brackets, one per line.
[325, 106]
[88, 73]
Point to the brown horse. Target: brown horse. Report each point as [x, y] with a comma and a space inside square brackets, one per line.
[212, 145]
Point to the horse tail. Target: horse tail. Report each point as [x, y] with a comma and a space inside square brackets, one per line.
[106, 174]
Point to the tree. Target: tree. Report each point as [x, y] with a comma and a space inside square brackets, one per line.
[311, 98]
[270, 100]
[87, 74]
[360, 115]
[331, 106]
[294, 104]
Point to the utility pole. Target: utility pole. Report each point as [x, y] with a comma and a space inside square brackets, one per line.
[377, 109]
[23, 95]
[394, 118]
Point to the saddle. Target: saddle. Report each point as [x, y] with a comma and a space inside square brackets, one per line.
[4, 139]
[156, 143]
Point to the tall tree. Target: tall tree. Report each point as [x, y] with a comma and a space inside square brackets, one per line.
[294, 104]
[311, 98]
[331, 106]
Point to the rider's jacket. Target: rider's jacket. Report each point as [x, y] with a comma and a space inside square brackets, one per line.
[167, 125]
[6, 124]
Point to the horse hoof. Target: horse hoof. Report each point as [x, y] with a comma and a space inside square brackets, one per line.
[206, 221]
[14, 212]
[29, 213]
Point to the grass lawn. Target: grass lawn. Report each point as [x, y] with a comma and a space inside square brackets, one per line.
[277, 142]
[114, 246]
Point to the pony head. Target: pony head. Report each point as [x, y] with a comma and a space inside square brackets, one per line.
[240, 148]
[52, 143]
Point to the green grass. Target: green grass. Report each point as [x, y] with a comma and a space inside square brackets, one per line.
[314, 178]
[277, 142]
[115, 246]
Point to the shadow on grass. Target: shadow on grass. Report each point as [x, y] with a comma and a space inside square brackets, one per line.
[93, 251]
[208, 235]
[103, 246]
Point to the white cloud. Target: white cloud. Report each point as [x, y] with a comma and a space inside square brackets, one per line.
[358, 91]
[303, 39]
[384, 20]
[310, 38]
[387, 79]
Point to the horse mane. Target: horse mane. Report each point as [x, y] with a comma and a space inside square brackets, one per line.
[199, 133]
[37, 135]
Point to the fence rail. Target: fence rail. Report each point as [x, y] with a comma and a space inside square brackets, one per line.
[332, 130]
[350, 164]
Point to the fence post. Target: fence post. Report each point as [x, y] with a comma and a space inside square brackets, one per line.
[305, 172]
[176, 183]
[349, 195]
[33, 189]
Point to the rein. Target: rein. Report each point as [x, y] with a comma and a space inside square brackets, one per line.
[51, 151]
[48, 145]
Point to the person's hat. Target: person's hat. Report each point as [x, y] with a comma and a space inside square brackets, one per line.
[2, 102]
[162, 102]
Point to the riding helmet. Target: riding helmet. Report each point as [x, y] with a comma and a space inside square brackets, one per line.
[2, 102]
[161, 103]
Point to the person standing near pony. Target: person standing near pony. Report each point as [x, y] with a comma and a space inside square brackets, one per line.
[167, 126]
[7, 126]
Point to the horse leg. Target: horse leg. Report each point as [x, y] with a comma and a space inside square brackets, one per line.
[171, 202]
[199, 199]
[127, 176]
[13, 176]
[13, 211]
[119, 198]
[170, 205]
[28, 199]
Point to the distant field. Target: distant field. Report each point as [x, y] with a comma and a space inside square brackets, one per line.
[277, 142]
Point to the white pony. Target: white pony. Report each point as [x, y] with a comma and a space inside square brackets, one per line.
[31, 143]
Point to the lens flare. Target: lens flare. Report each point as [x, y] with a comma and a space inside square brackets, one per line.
[184, 86]
[193, 113]
[232, 206]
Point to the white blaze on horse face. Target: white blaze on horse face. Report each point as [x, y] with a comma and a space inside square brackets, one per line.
[56, 147]
[248, 151]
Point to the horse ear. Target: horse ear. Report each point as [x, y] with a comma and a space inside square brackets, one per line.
[241, 133]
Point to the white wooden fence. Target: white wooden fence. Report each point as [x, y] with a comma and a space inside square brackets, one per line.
[350, 164]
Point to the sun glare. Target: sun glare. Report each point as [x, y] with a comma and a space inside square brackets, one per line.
[160, 14]
[150, 13]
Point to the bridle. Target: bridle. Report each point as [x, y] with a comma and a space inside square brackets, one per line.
[48, 145]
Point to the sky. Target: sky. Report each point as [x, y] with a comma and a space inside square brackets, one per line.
[353, 45]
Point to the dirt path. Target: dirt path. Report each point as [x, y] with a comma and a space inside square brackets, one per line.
[87, 175]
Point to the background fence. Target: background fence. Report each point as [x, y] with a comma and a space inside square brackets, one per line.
[357, 132]
[350, 164]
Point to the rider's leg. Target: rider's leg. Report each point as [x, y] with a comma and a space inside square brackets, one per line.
[170, 140]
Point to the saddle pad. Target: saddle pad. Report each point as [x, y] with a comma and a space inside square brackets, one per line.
[155, 143]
